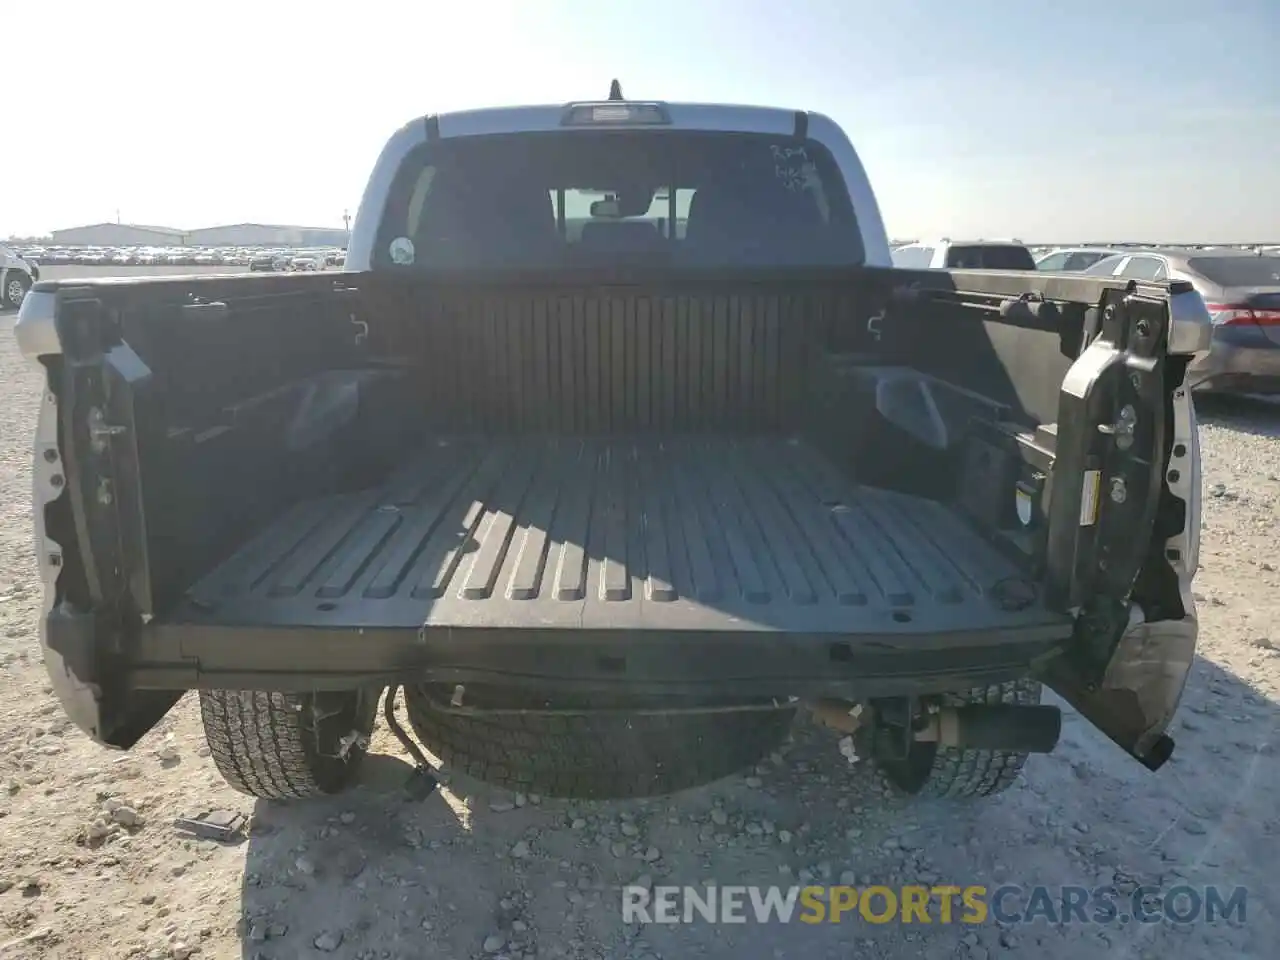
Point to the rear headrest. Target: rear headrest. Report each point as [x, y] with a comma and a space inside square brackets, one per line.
[506, 215]
[756, 207]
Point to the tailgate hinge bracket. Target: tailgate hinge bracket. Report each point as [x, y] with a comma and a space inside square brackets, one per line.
[101, 432]
[1123, 428]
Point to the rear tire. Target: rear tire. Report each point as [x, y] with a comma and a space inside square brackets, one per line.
[287, 746]
[597, 755]
[952, 772]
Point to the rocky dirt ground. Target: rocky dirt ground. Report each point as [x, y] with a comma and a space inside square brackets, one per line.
[91, 864]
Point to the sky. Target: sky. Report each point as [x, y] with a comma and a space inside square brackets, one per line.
[1097, 119]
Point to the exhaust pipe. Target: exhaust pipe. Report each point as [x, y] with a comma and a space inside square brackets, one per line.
[1012, 727]
[1009, 727]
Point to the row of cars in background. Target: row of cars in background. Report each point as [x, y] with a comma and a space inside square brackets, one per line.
[20, 265]
[283, 258]
[1240, 286]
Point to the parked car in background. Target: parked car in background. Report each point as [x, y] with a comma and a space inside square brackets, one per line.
[1073, 258]
[1242, 292]
[307, 261]
[964, 255]
[268, 262]
[16, 278]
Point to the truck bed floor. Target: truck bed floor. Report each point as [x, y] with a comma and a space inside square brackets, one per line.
[664, 535]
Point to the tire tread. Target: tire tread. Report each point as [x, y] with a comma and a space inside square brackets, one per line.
[598, 756]
[262, 746]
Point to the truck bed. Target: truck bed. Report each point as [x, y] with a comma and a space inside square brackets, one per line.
[696, 534]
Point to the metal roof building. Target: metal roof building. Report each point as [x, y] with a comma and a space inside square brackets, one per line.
[262, 234]
[118, 235]
[232, 235]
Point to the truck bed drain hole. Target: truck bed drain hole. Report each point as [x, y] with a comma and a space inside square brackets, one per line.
[901, 616]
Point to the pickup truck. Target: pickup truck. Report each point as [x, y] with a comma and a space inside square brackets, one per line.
[964, 254]
[610, 508]
[16, 277]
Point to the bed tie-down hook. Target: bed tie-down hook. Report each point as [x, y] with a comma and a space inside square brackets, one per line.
[362, 329]
[874, 325]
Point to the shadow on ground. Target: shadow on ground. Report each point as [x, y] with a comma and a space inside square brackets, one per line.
[472, 871]
[1259, 416]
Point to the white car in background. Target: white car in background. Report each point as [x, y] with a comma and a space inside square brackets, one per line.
[307, 261]
[963, 255]
[16, 278]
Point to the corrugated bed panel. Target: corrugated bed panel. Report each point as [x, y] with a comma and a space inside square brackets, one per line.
[611, 361]
[674, 534]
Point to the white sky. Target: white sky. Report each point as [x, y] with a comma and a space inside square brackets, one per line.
[989, 118]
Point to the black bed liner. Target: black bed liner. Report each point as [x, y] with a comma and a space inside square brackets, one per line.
[667, 535]
[690, 534]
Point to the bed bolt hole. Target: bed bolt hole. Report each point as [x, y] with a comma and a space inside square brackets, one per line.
[51, 455]
[901, 616]
[1180, 450]
[1174, 476]
[326, 606]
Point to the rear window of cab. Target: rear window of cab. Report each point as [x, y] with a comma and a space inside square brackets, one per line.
[582, 198]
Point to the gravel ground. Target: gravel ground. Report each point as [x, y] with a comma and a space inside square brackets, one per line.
[92, 866]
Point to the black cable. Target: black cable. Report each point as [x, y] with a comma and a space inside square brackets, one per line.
[401, 734]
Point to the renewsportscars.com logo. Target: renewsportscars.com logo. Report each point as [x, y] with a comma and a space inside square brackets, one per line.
[1009, 904]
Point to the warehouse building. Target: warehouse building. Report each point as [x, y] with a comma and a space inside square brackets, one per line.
[118, 235]
[234, 235]
[267, 235]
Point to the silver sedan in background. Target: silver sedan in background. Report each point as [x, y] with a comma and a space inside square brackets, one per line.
[1072, 259]
[1242, 292]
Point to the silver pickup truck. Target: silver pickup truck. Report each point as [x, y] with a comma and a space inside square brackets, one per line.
[617, 442]
[16, 278]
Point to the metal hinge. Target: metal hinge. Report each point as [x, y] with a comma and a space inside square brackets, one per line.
[1124, 427]
[101, 432]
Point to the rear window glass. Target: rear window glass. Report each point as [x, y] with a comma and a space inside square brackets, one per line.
[1081, 259]
[1238, 271]
[1106, 267]
[990, 257]
[576, 198]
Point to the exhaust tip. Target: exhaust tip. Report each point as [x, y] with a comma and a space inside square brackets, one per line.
[1011, 727]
